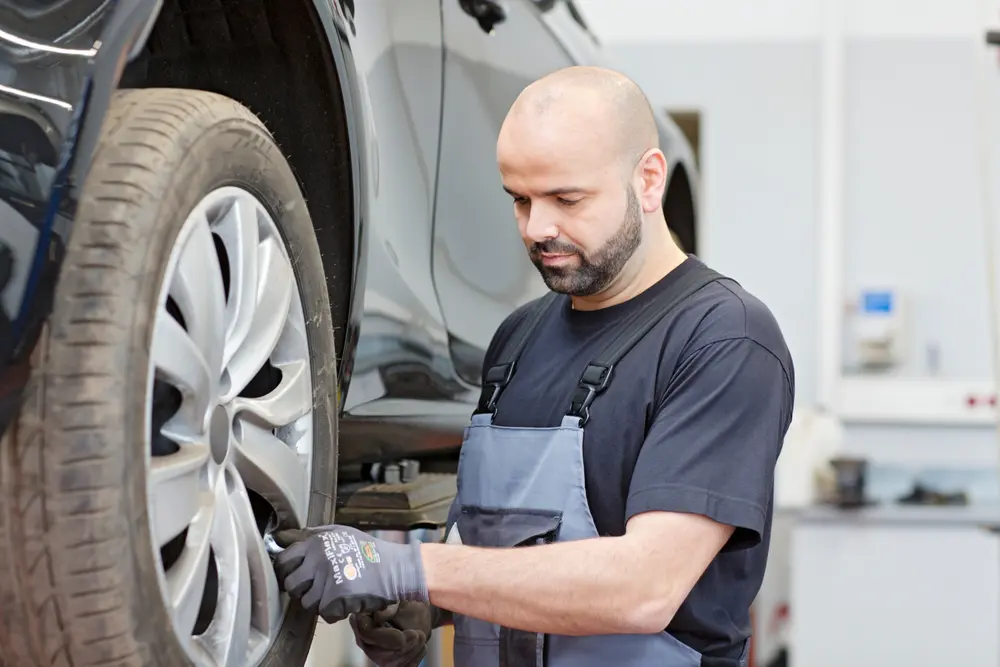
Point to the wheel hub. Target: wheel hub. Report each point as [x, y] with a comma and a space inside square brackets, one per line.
[220, 434]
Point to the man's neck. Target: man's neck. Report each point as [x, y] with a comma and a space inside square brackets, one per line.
[651, 270]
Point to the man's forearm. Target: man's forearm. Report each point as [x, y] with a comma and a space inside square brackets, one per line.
[583, 587]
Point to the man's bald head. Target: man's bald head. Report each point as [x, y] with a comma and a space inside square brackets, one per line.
[604, 104]
[579, 155]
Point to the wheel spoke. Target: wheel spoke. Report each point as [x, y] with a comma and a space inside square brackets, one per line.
[239, 636]
[179, 361]
[273, 469]
[274, 294]
[227, 637]
[291, 399]
[175, 491]
[240, 235]
[265, 614]
[293, 345]
[186, 579]
[197, 289]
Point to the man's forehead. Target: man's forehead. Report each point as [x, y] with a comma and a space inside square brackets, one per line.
[551, 147]
[558, 122]
[551, 176]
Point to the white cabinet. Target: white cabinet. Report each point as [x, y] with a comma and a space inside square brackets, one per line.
[895, 587]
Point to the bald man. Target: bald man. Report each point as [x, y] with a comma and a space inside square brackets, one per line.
[615, 484]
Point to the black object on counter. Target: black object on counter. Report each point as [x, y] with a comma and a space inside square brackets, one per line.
[921, 495]
[849, 481]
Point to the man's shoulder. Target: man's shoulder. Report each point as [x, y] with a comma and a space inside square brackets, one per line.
[725, 311]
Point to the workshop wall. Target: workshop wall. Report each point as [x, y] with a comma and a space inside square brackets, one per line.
[913, 205]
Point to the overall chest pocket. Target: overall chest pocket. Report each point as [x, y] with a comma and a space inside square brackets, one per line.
[488, 644]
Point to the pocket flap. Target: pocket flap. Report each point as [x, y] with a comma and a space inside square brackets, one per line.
[504, 527]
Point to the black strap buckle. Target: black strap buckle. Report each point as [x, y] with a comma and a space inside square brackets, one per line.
[496, 379]
[595, 379]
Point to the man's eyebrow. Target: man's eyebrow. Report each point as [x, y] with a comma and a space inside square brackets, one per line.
[554, 192]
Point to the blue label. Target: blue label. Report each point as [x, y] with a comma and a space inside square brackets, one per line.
[876, 302]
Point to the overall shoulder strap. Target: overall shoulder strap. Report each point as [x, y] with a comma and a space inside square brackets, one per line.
[500, 373]
[598, 373]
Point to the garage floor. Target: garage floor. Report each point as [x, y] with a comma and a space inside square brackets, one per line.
[333, 646]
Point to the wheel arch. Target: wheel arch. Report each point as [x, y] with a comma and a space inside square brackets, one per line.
[680, 208]
[293, 68]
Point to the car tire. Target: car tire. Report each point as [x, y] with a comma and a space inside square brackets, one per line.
[82, 578]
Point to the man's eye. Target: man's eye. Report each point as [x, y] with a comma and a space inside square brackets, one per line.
[520, 201]
[568, 202]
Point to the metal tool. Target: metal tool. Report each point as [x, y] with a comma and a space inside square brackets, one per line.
[270, 544]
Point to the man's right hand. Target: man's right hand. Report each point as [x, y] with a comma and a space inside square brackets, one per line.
[338, 570]
[396, 636]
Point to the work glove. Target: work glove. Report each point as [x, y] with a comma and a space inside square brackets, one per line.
[396, 636]
[336, 571]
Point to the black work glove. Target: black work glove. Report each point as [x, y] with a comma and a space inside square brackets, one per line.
[336, 571]
[396, 636]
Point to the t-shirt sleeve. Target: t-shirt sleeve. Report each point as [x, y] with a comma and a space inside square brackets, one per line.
[712, 446]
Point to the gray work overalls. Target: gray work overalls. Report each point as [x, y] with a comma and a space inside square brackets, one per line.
[525, 486]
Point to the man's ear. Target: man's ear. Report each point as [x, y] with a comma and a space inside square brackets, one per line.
[652, 172]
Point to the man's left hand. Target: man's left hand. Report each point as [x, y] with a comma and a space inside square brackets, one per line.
[396, 636]
[336, 571]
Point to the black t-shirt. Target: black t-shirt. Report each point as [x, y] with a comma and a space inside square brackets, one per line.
[692, 421]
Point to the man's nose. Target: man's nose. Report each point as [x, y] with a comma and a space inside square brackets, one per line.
[541, 225]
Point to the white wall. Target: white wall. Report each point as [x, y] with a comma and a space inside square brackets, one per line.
[911, 208]
[713, 21]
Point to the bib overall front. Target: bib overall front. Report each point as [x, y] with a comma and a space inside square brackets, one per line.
[525, 486]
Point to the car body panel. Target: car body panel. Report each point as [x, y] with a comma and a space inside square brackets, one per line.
[59, 63]
[437, 259]
[401, 392]
[397, 54]
[481, 269]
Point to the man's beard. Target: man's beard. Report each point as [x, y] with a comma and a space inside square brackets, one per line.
[597, 271]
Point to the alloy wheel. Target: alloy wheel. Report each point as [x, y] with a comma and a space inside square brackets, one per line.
[230, 423]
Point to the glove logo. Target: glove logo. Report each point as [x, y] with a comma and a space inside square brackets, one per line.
[338, 548]
[369, 552]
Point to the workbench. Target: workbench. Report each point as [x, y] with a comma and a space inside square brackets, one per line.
[891, 585]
